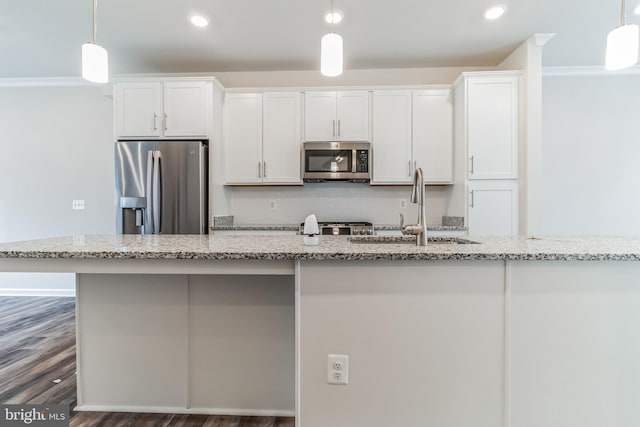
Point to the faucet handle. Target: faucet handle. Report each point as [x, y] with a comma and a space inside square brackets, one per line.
[402, 224]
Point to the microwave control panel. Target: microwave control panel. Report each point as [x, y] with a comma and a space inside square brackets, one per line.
[362, 161]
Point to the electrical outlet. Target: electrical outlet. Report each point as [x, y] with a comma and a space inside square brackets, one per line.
[338, 369]
[77, 205]
[272, 204]
[403, 203]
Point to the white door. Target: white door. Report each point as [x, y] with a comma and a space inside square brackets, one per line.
[493, 208]
[281, 137]
[185, 109]
[243, 138]
[433, 135]
[320, 116]
[492, 127]
[353, 116]
[391, 142]
[138, 109]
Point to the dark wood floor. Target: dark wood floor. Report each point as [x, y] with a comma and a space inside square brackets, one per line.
[38, 347]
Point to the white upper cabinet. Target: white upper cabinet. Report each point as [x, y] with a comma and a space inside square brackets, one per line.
[391, 139]
[167, 109]
[281, 137]
[433, 134]
[336, 116]
[138, 107]
[412, 129]
[243, 138]
[186, 109]
[492, 126]
[262, 138]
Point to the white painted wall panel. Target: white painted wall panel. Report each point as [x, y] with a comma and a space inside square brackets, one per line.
[426, 350]
[575, 344]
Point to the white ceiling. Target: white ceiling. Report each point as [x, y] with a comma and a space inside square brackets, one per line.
[42, 38]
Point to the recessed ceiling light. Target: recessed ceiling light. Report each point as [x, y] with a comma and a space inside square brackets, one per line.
[333, 17]
[199, 21]
[494, 12]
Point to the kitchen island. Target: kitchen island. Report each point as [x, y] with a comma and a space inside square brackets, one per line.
[503, 332]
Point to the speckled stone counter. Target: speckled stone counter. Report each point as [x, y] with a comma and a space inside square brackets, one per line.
[331, 248]
[288, 227]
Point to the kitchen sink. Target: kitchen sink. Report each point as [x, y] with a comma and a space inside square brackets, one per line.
[410, 239]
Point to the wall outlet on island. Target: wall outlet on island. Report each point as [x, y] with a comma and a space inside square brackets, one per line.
[338, 369]
[403, 203]
[77, 205]
[272, 204]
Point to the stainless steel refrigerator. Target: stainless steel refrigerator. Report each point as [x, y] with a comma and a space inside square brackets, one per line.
[161, 187]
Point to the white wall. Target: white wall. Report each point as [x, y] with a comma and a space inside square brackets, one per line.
[56, 146]
[591, 155]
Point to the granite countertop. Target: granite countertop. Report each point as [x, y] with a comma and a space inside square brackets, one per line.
[331, 248]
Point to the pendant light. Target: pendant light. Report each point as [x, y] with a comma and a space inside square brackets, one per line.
[95, 61]
[331, 53]
[622, 45]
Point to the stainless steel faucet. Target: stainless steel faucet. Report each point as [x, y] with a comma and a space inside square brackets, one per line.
[418, 196]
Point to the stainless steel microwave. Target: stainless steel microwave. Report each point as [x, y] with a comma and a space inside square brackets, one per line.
[336, 161]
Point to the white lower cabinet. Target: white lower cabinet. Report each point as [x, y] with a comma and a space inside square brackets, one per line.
[492, 208]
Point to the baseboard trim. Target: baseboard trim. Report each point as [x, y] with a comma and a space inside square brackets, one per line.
[20, 292]
[182, 410]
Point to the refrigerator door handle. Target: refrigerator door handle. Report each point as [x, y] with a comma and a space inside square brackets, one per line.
[149, 210]
[157, 190]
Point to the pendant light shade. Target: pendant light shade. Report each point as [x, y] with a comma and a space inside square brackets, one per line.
[331, 55]
[95, 60]
[622, 47]
[95, 63]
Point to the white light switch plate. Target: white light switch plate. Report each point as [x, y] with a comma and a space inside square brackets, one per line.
[77, 205]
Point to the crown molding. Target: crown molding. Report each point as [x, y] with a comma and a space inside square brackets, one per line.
[588, 70]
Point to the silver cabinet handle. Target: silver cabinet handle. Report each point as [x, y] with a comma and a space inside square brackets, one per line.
[409, 168]
[155, 121]
[166, 122]
[334, 128]
[264, 169]
[472, 199]
[338, 128]
[415, 166]
[471, 165]
[259, 171]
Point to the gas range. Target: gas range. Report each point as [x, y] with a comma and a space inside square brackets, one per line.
[335, 228]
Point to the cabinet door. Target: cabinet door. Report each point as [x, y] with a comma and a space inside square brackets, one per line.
[391, 142]
[186, 109]
[138, 109]
[281, 117]
[493, 208]
[243, 138]
[320, 116]
[353, 116]
[492, 127]
[432, 135]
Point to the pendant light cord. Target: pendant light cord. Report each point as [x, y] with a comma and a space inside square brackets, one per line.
[621, 14]
[95, 14]
[333, 16]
